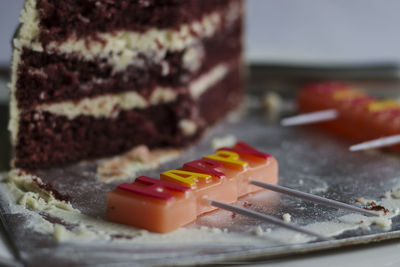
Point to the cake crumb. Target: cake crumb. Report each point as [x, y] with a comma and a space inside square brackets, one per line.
[272, 103]
[81, 233]
[378, 208]
[51, 190]
[204, 228]
[188, 127]
[364, 226]
[34, 194]
[372, 205]
[235, 116]
[60, 232]
[227, 140]
[287, 217]
[395, 193]
[365, 201]
[259, 231]
[388, 194]
[213, 230]
[382, 222]
[246, 204]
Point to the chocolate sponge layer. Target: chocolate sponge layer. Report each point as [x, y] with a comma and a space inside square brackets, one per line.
[88, 17]
[47, 140]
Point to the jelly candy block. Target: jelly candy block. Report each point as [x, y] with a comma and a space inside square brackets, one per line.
[182, 194]
[152, 204]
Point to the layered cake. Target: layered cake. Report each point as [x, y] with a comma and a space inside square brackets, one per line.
[95, 78]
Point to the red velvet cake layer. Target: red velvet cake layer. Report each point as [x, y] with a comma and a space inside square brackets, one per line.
[87, 17]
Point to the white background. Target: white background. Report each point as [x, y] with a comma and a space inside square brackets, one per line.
[305, 31]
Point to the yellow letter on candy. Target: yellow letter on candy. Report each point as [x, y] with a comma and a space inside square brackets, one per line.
[383, 105]
[184, 177]
[228, 157]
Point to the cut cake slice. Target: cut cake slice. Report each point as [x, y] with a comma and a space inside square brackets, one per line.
[96, 78]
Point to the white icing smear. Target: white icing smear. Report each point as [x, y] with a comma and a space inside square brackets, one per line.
[109, 106]
[137, 159]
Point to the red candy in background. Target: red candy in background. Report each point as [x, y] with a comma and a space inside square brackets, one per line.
[361, 117]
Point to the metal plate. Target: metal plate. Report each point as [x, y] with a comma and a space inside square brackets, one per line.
[310, 160]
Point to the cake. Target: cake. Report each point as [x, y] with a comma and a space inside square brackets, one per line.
[92, 79]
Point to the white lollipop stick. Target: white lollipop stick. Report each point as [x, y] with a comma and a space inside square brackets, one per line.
[311, 197]
[380, 142]
[312, 117]
[265, 218]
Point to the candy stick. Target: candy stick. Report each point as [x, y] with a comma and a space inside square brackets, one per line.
[313, 198]
[312, 117]
[266, 218]
[377, 143]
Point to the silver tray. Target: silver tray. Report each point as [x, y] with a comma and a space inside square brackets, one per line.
[309, 160]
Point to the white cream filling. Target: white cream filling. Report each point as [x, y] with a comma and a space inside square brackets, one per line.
[199, 86]
[14, 112]
[124, 46]
[151, 40]
[110, 105]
